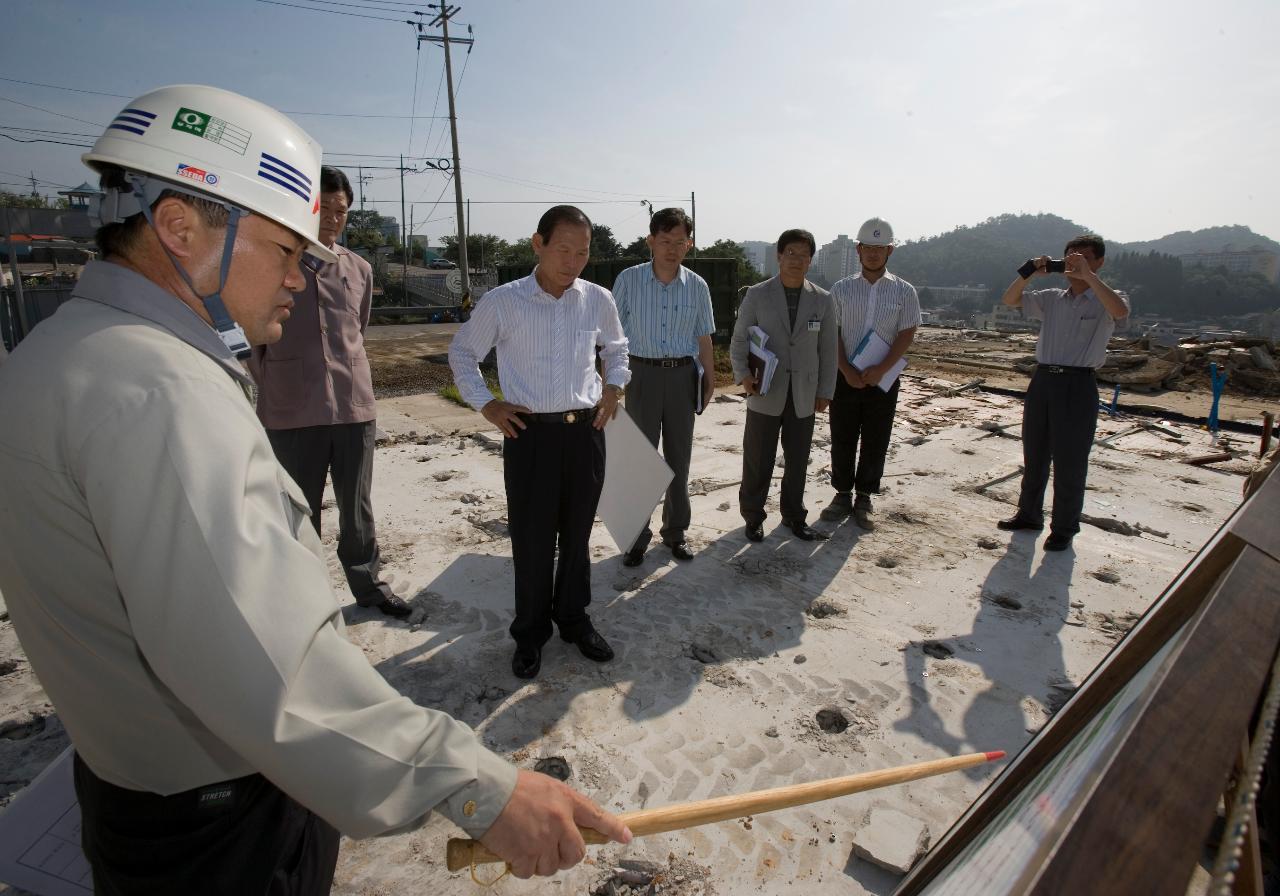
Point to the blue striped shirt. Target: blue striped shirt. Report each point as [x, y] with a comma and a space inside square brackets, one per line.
[663, 320]
[546, 346]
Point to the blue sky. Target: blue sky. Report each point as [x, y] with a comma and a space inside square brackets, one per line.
[1134, 118]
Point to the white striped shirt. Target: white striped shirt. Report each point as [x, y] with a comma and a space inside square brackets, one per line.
[663, 320]
[546, 346]
[897, 308]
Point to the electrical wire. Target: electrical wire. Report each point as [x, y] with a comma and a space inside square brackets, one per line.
[41, 140]
[336, 12]
[51, 112]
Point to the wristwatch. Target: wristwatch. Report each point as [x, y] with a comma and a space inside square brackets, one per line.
[616, 388]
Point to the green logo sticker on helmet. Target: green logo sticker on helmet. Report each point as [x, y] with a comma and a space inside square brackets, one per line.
[215, 130]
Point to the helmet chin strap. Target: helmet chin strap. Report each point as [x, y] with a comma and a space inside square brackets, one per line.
[231, 334]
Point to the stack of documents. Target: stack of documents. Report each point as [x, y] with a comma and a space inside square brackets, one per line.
[760, 360]
[870, 352]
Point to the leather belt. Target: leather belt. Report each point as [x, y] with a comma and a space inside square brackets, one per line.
[582, 415]
[1058, 368]
[663, 362]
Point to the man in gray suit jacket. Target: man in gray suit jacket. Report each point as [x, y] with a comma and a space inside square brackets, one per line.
[800, 321]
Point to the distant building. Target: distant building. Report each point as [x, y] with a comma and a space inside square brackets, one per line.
[1257, 260]
[1004, 319]
[763, 256]
[838, 259]
[950, 295]
[389, 228]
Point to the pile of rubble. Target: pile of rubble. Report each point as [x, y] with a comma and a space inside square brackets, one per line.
[1142, 366]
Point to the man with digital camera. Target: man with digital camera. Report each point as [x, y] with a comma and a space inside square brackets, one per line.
[1061, 410]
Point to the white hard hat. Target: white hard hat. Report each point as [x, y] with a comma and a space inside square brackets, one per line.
[876, 232]
[213, 143]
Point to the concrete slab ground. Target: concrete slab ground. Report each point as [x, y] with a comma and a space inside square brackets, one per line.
[936, 634]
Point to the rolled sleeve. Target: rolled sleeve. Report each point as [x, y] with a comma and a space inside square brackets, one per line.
[613, 344]
[470, 345]
[706, 315]
[1033, 303]
[230, 605]
[909, 317]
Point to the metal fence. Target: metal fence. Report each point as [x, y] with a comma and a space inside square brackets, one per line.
[38, 302]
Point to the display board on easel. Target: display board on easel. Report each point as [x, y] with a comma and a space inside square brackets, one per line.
[1118, 792]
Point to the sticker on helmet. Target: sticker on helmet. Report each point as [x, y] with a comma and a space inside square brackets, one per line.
[199, 175]
[215, 130]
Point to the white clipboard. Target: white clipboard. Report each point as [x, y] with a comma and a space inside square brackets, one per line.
[40, 836]
[635, 478]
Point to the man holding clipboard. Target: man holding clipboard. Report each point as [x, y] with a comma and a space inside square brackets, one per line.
[878, 315]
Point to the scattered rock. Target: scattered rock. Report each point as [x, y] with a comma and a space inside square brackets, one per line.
[1008, 601]
[938, 650]
[800, 658]
[8, 666]
[442, 475]
[492, 694]
[554, 767]
[416, 617]
[886, 562]
[1106, 575]
[891, 839]
[987, 543]
[771, 731]
[823, 609]
[832, 720]
[723, 507]
[469, 498]
[704, 655]
[22, 728]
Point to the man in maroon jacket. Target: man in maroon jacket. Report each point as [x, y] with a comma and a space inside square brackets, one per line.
[316, 397]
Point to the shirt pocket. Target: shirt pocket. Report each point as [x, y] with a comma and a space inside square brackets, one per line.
[584, 355]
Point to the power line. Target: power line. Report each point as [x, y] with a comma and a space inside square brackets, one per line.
[42, 140]
[11, 127]
[335, 12]
[51, 112]
[537, 183]
[379, 7]
[124, 96]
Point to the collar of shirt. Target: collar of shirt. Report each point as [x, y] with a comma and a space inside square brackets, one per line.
[887, 276]
[119, 287]
[531, 289]
[682, 275]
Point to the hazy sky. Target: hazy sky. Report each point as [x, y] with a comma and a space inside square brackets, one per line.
[1134, 118]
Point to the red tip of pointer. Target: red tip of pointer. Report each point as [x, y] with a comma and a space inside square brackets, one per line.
[993, 755]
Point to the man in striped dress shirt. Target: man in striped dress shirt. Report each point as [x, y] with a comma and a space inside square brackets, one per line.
[547, 328]
[665, 310]
[872, 301]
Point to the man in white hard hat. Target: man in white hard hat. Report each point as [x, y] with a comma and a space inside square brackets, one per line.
[160, 567]
[879, 313]
[315, 398]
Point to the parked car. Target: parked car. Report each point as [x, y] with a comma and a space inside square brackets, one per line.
[441, 264]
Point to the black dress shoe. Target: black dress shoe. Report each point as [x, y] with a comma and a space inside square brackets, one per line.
[680, 550]
[755, 532]
[1057, 541]
[805, 532]
[392, 606]
[633, 557]
[526, 662]
[1014, 523]
[592, 645]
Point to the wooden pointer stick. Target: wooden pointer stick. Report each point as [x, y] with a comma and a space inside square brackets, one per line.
[461, 854]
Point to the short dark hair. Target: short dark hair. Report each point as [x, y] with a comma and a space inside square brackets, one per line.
[561, 214]
[333, 179]
[795, 235]
[670, 219]
[121, 238]
[1087, 241]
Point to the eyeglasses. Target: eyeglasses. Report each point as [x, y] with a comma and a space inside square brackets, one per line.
[793, 253]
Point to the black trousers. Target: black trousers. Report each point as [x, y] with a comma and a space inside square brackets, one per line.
[310, 455]
[662, 401]
[243, 836]
[553, 472]
[1058, 423]
[760, 452]
[860, 416]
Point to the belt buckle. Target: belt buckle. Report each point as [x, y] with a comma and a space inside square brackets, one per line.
[571, 416]
[668, 362]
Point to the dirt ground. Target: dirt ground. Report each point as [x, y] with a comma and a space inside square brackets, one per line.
[755, 665]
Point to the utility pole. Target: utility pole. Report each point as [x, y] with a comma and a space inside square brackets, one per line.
[404, 255]
[442, 19]
[360, 177]
[693, 216]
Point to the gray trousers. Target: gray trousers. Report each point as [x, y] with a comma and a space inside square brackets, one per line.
[760, 452]
[309, 454]
[1058, 423]
[662, 402]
